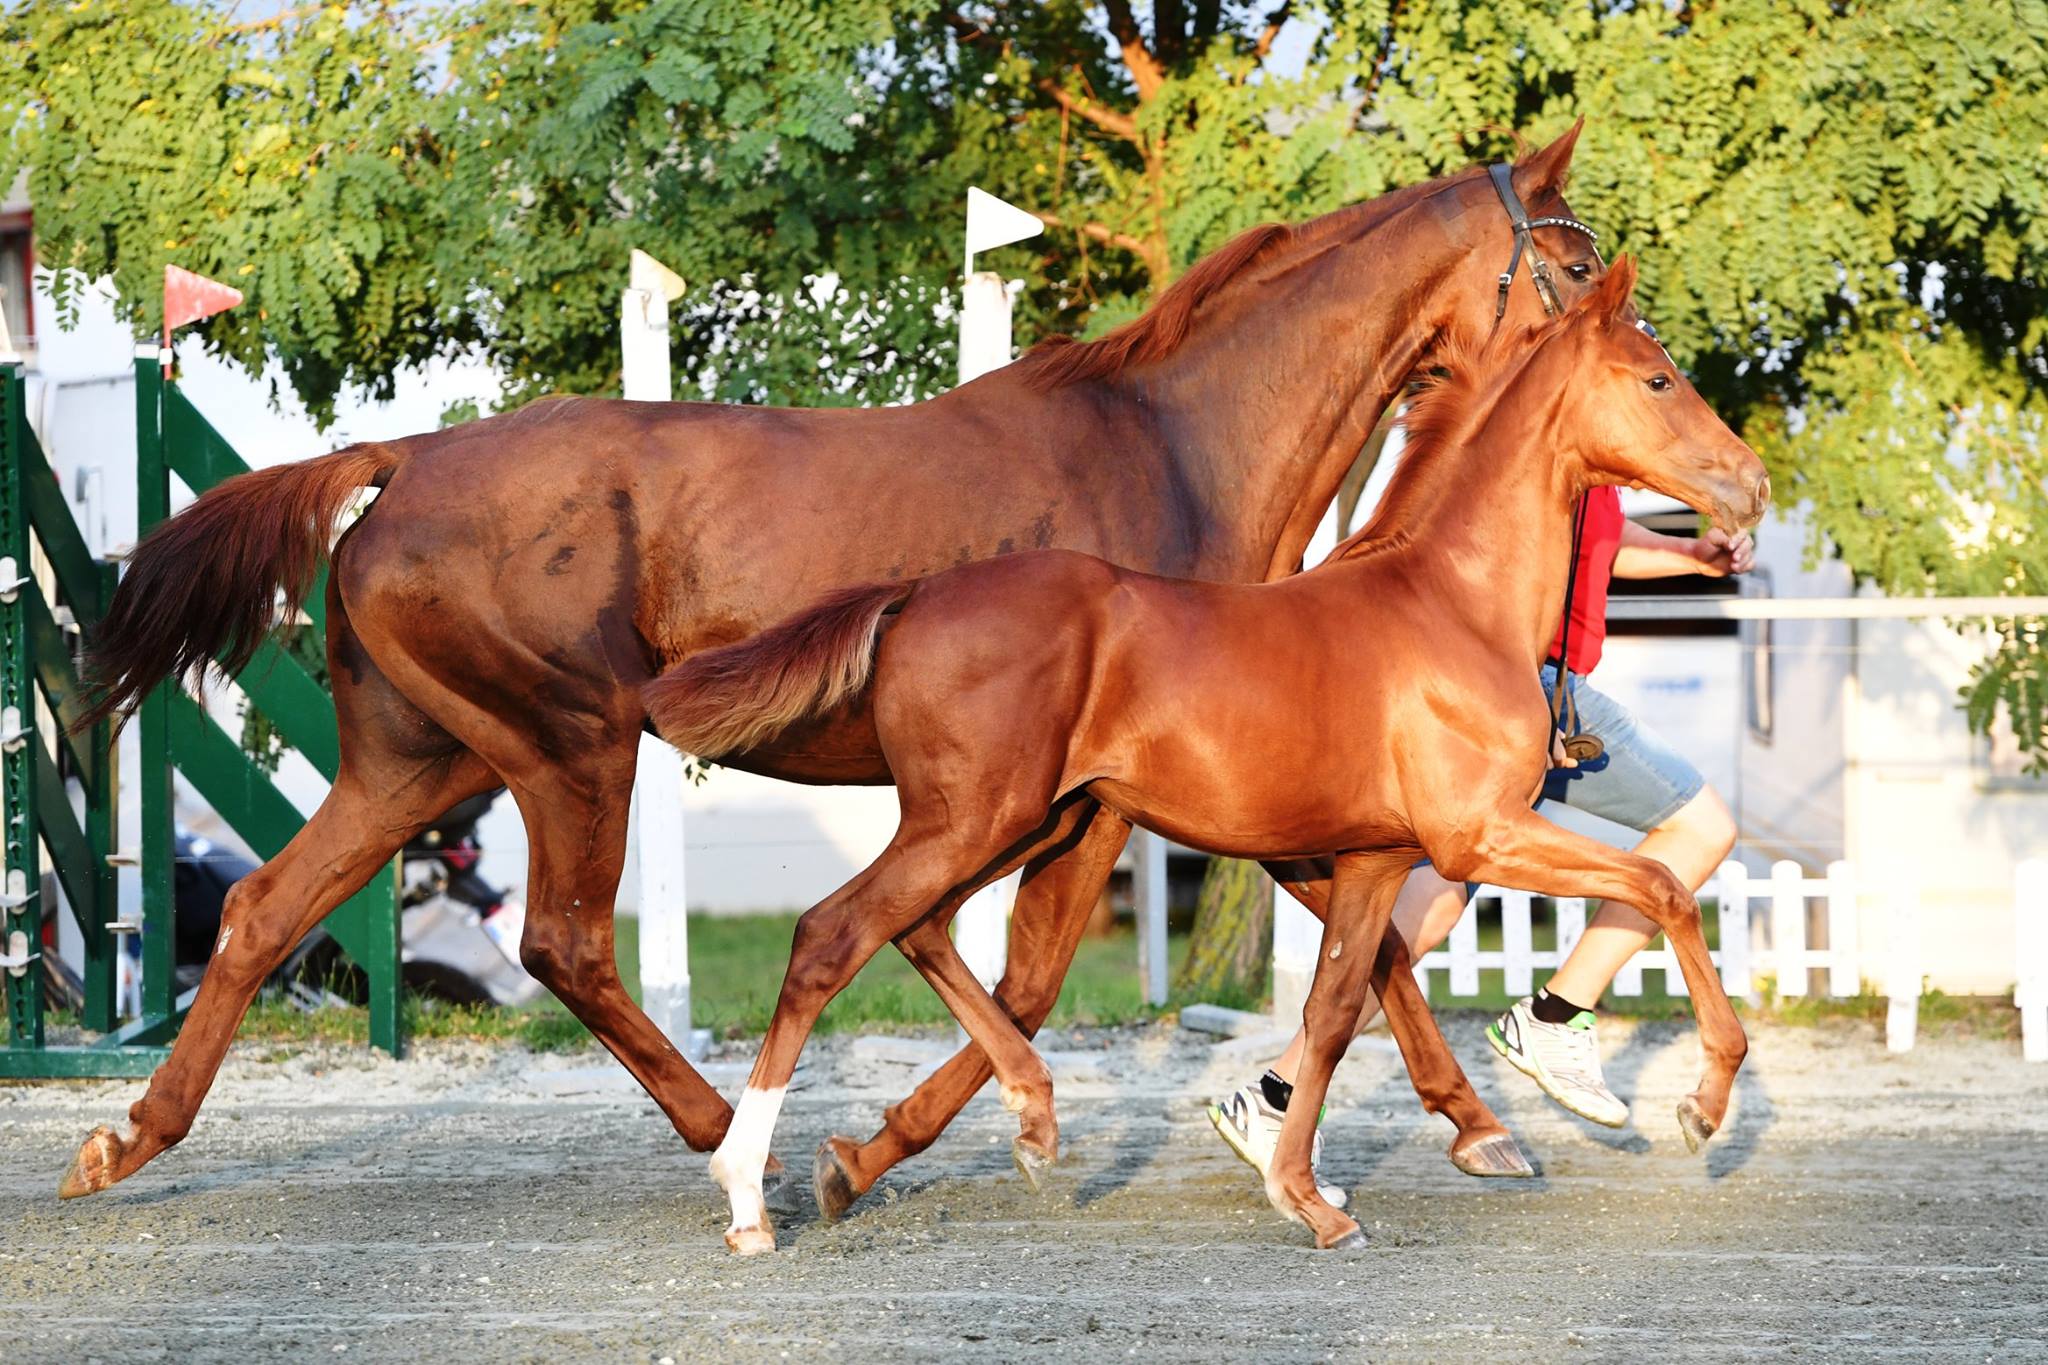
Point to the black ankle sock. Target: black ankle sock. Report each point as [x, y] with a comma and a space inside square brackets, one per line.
[1277, 1091]
[1554, 1009]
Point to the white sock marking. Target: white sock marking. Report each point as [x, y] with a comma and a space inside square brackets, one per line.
[738, 1163]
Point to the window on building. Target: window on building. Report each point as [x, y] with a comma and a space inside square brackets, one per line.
[17, 272]
[1759, 672]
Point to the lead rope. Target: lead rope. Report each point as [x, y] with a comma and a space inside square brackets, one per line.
[1577, 747]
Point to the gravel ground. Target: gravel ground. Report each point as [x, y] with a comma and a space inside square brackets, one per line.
[334, 1205]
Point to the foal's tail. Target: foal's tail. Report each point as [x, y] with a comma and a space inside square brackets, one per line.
[740, 695]
[206, 584]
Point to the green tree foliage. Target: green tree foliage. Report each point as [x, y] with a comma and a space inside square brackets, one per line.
[1837, 205]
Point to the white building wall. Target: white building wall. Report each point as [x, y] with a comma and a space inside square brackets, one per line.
[1924, 809]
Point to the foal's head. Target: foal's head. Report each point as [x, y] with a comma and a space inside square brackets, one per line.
[1626, 415]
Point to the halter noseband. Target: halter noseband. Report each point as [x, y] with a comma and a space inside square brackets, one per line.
[1525, 240]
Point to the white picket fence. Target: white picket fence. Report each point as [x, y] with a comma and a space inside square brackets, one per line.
[1779, 903]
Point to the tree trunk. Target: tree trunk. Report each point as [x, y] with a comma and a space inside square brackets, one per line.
[1231, 949]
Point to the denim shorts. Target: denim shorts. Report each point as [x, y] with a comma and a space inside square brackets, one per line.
[1638, 781]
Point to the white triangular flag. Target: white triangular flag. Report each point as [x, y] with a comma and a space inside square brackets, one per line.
[651, 276]
[992, 222]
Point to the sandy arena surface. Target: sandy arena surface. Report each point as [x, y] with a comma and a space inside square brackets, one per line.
[459, 1205]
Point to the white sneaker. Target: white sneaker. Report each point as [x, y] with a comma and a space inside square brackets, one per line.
[1251, 1128]
[1564, 1059]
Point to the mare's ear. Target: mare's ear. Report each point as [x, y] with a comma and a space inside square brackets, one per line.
[1614, 296]
[1545, 168]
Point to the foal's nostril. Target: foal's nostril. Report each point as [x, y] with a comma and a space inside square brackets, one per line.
[1763, 491]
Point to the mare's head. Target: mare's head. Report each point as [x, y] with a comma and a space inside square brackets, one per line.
[1625, 414]
[1470, 211]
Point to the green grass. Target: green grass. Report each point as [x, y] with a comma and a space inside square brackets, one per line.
[736, 966]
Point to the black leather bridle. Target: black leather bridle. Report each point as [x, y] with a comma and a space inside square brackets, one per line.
[1525, 242]
[1580, 748]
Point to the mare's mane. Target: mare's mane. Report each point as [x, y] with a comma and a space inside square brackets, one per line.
[1160, 331]
[1471, 374]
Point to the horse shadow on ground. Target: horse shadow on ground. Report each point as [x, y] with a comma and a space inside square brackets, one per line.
[1730, 1149]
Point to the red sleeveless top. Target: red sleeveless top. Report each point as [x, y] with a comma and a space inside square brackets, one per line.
[1595, 570]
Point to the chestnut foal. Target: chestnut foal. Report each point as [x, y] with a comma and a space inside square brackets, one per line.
[1382, 706]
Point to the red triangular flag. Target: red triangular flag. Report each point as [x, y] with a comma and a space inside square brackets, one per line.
[189, 297]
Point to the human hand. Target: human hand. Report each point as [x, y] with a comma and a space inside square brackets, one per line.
[1558, 757]
[1721, 554]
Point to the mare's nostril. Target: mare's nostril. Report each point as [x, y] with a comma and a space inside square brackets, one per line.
[1763, 491]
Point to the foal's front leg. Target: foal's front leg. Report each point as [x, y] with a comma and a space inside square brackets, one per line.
[1361, 903]
[1520, 848]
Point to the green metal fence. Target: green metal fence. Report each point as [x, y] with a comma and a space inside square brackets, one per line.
[176, 735]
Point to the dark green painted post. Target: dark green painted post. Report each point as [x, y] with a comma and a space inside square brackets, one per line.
[21, 922]
[159, 847]
[102, 836]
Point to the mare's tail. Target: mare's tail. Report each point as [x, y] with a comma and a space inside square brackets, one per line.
[206, 584]
[735, 697]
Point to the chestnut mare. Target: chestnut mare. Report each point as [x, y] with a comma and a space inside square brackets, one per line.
[494, 616]
[1407, 721]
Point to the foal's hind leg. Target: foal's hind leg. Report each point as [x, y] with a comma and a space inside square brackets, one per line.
[928, 868]
[398, 773]
[1483, 1146]
[1053, 905]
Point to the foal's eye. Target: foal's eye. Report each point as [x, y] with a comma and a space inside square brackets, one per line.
[1579, 271]
[1659, 383]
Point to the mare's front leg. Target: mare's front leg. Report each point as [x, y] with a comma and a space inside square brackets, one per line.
[1517, 847]
[1362, 896]
[1483, 1146]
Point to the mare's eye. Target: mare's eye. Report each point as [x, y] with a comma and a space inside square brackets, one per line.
[1579, 271]
[1659, 383]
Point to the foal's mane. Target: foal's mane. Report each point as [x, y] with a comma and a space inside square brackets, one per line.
[1060, 360]
[1471, 373]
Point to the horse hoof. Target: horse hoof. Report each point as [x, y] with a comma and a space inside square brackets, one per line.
[750, 1241]
[1353, 1240]
[92, 1170]
[1030, 1160]
[1694, 1123]
[830, 1182]
[1495, 1156]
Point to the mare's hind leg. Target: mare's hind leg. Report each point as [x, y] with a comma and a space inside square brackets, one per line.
[1483, 1146]
[398, 773]
[1053, 905]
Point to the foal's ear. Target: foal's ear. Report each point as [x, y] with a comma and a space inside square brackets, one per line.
[1614, 296]
[1546, 168]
